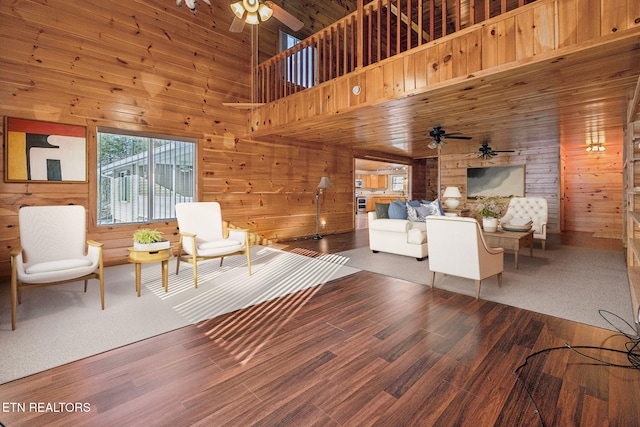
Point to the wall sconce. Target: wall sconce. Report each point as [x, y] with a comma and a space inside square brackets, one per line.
[595, 141]
[453, 193]
[595, 147]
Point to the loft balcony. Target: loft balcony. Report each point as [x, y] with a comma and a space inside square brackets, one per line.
[382, 76]
[378, 30]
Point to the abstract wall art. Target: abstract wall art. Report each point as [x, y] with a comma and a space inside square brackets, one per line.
[44, 152]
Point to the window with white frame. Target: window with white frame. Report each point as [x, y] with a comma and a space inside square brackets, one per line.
[300, 66]
[142, 176]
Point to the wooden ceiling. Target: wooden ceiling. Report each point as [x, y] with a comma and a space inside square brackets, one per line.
[565, 99]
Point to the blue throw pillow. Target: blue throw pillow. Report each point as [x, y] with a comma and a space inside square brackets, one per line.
[413, 203]
[382, 210]
[398, 210]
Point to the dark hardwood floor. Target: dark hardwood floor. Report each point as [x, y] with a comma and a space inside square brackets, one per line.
[364, 350]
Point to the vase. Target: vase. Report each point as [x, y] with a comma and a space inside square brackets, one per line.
[490, 225]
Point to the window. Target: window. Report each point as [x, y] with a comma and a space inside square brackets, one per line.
[397, 183]
[301, 65]
[141, 176]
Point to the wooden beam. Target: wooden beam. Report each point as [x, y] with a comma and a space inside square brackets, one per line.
[404, 18]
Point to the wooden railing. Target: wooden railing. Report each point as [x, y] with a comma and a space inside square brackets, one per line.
[378, 30]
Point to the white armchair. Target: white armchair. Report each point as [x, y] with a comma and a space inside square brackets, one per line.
[533, 208]
[457, 247]
[202, 236]
[52, 251]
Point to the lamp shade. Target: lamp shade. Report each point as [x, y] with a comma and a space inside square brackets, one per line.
[324, 182]
[451, 192]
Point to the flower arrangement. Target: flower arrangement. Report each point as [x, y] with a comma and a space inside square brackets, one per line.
[490, 207]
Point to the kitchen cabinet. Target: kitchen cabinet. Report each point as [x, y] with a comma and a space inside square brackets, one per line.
[374, 181]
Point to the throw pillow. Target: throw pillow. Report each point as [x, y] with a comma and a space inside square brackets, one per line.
[411, 213]
[382, 210]
[398, 210]
[435, 207]
[423, 212]
[413, 203]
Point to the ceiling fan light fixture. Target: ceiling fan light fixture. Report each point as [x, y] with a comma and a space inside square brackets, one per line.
[265, 12]
[238, 9]
[252, 18]
[251, 11]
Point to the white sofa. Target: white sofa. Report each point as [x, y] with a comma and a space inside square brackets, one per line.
[398, 236]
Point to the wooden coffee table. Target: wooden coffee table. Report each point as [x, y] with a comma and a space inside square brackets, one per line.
[139, 257]
[510, 240]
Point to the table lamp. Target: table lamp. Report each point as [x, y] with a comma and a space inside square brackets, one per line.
[452, 194]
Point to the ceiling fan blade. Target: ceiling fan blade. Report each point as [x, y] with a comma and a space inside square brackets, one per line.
[237, 25]
[285, 17]
[456, 137]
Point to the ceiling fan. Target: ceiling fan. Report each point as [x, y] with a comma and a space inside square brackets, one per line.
[438, 134]
[254, 11]
[191, 4]
[487, 152]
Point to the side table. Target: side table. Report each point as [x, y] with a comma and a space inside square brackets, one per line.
[138, 257]
[458, 212]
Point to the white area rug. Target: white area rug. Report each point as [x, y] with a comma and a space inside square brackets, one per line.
[563, 281]
[61, 324]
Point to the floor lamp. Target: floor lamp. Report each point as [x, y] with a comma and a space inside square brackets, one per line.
[323, 185]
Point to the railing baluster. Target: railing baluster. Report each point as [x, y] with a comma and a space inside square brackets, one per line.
[420, 28]
[444, 18]
[432, 20]
[472, 12]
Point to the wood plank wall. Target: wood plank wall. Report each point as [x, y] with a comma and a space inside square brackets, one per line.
[584, 189]
[592, 188]
[541, 160]
[148, 65]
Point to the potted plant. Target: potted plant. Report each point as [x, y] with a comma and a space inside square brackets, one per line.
[146, 239]
[490, 209]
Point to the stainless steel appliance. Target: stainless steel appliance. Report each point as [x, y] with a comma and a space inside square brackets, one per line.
[361, 204]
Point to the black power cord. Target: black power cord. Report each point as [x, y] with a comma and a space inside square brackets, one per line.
[632, 350]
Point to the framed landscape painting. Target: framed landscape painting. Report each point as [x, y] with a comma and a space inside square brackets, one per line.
[502, 181]
[37, 151]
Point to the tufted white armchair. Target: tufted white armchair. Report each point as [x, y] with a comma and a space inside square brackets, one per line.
[52, 251]
[457, 247]
[533, 208]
